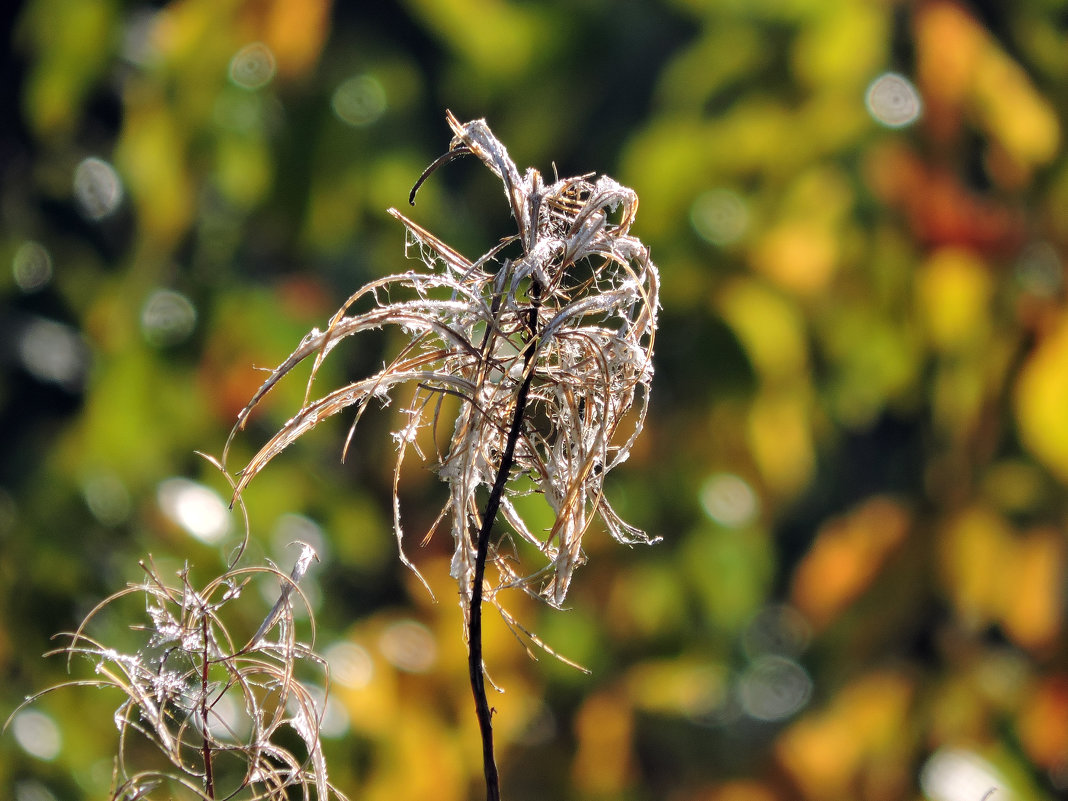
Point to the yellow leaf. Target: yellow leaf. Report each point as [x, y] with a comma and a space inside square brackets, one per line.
[295, 30]
[243, 169]
[780, 439]
[975, 549]
[769, 328]
[953, 292]
[419, 759]
[151, 155]
[1042, 401]
[497, 39]
[800, 256]
[74, 43]
[677, 686]
[824, 752]
[602, 766]
[842, 49]
[1020, 118]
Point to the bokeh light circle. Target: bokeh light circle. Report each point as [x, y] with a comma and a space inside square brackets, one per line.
[32, 266]
[774, 688]
[97, 188]
[359, 101]
[253, 66]
[167, 318]
[720, 216]
[893, 101]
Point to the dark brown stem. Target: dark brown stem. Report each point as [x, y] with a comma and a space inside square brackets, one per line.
[209, 774]
[445, 158]
[493, 505]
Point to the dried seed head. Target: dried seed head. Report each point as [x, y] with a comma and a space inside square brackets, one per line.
[572, 317]
[195, 694]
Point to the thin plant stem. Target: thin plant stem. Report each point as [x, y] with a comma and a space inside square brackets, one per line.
[493, 504]
[209, 774]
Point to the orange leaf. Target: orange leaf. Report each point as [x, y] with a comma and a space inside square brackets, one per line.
[846, 556]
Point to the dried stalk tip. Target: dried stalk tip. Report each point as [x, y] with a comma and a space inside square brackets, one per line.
[574, 311]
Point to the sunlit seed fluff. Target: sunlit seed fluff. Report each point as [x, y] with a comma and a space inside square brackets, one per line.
[189, 667]
[569, 301]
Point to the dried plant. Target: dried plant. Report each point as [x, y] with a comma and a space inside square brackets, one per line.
[554, 344]
[546, 341]
[216, 712]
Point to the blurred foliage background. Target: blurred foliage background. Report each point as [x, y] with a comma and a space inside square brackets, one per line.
[859, 440]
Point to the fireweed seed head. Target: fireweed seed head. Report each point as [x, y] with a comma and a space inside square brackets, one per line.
[566, 321]
[221, 715]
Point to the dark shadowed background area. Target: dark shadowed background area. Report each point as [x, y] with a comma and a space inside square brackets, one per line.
[858, 441]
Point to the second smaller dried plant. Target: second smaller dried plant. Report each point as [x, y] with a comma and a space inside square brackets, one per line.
[222, 714]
